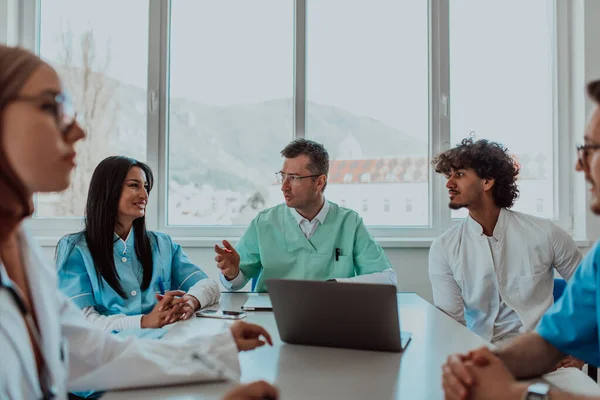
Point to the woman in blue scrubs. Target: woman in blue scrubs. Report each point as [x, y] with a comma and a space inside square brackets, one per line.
[123, 276]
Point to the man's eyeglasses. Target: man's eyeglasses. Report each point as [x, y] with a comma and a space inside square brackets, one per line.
[583, 152]
[59, 106]
[293, 179]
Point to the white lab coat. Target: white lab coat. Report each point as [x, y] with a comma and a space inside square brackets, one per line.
[468, 281]
[94, 359]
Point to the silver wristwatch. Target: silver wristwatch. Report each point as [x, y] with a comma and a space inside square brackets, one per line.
[537, 391]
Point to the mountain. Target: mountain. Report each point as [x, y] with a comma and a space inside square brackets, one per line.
[332, 126]
[238, 146]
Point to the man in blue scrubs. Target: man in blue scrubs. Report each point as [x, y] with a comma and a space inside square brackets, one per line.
[569, 327]
[307, 237]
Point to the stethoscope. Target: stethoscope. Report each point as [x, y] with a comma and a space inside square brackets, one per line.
[47, 379]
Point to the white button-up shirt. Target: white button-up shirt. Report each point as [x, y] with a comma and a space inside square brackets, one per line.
[483, 284]
[309, 227]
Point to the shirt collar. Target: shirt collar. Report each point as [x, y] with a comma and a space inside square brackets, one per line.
[4, 278]
[320, 217]
[499, 229]
[126, 239]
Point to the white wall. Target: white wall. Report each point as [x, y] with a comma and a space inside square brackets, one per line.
[410, 265]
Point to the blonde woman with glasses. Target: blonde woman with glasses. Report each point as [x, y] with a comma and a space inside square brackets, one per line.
[46, 346]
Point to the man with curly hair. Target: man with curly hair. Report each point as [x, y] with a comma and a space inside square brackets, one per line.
[571, 326]
[493, 271]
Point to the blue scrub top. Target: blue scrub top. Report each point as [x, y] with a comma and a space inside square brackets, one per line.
[571, 324]
[77, 277]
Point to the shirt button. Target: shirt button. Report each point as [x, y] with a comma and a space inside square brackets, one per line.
[124, 259]
[133, 292]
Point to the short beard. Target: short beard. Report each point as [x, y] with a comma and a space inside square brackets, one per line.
[454, 206]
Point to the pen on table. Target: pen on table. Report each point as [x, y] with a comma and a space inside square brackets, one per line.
[161, 286]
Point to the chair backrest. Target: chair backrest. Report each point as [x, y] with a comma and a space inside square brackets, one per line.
[559, 288]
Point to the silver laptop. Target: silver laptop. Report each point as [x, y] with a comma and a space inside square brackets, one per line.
[334, 314]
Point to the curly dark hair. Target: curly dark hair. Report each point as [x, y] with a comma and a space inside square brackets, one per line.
[490, 160]
[593, 90]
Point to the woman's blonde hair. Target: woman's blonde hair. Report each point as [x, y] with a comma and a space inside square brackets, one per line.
[16, 66]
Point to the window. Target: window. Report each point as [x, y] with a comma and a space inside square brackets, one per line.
[102, 59]
[367, 96]
[230, 108]
[502, 87]
[209, 93]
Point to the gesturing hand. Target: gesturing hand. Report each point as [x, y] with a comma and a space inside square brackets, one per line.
[228, 260]
[247, 336]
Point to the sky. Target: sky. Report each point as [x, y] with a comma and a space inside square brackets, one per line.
[367, 57]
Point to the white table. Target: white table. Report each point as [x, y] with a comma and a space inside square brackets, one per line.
[306, 372]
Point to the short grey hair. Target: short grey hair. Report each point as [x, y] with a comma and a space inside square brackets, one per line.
[319, 157]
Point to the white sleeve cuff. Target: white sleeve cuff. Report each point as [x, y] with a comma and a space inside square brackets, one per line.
[206, 291]
[133, 322]
[385, 277]
[118, 322]
[236, 283]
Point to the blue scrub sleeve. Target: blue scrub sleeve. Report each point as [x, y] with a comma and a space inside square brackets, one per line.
[184, 273]
[73, 279]
[571, 324]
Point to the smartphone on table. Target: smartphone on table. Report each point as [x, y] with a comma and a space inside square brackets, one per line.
[221, 314]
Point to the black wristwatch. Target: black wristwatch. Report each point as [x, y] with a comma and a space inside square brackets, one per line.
[537, 391]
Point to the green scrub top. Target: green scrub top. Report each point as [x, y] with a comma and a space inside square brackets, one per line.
[274, 246]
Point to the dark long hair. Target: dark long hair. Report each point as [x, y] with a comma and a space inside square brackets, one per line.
[102, 210]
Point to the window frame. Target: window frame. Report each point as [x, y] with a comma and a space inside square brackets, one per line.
[50, 229]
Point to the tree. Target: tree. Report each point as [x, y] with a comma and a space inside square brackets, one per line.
[83, 72]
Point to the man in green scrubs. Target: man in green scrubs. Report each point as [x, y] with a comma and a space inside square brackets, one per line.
[307, 237]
